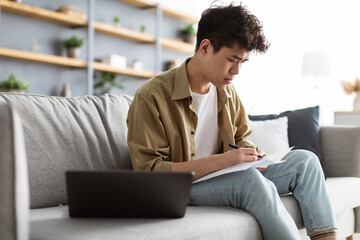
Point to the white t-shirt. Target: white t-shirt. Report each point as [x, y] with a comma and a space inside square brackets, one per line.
[207, 134]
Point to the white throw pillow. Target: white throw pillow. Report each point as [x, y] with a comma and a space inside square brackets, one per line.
[270, 135]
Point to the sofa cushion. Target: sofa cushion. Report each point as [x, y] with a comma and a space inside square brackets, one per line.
[303, 128]
[76, 133]
[198, 223]
[344, 193]
[271, 135]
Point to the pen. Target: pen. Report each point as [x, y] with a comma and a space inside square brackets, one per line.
[237, 147]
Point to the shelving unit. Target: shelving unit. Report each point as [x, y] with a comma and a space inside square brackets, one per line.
[98, 27]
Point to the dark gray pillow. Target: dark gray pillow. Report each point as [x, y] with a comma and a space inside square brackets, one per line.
[303, 128]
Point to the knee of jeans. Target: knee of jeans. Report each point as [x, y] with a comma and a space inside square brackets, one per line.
[307, 159]
[257, 182]
[257, 190]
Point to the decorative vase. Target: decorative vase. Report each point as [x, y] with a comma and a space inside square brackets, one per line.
[74, 52]
[189, 38]
[356, 104]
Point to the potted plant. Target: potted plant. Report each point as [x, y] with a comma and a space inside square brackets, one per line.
[12, 84]
[116, 21]
[106, 82]
[73, 46]
[142, 28]
[189, 34]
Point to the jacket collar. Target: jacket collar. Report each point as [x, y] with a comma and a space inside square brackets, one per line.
[182, 87]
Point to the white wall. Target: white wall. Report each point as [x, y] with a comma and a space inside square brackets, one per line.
[272, 83]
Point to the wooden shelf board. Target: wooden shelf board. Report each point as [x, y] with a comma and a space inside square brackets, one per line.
[42, 58]
[166, 11]
[140, 3]
[126, 71]
[70, 62]
[181, 16]
[41, 14]
[178, 45]
[123, 33]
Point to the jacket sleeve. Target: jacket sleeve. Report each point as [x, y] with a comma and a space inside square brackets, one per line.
[242, 123]
[147, 141]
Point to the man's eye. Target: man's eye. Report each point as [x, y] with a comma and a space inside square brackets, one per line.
[232, 60]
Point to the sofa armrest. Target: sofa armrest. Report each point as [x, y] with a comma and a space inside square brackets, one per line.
[340, 149]
[14, 186]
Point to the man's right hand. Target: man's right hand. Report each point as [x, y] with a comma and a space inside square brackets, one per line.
[213, 163]
[241, 155]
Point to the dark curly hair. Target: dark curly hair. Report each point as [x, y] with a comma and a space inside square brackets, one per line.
[226, 25]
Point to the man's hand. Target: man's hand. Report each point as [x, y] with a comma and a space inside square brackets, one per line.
[242, 155]
[262, 154]
[206, 165]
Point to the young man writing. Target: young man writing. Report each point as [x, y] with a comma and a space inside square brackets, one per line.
[184, 120]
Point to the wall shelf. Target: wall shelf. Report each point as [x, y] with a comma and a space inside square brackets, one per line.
[178, 45]
[42, 58]
[41, 14]
[126, 71]
[70, 62]
[123, 33]
[180, 16]
[140, 3]
[166, 11]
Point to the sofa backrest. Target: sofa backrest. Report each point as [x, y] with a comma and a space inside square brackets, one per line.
[75, 133]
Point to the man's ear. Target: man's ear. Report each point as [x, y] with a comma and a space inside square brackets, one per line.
[205, 46]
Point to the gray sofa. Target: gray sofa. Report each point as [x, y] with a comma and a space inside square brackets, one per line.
[42, 137]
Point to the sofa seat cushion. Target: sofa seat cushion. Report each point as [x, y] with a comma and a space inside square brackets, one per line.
[344, 193]
[198, 223]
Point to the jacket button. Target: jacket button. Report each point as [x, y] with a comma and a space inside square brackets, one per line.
[193, 154]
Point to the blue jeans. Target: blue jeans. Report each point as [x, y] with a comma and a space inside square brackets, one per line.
[258, 193]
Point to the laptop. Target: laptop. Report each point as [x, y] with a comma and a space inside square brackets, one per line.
[127, 194]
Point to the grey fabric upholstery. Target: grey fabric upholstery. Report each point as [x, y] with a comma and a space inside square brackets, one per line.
[14, 190]
[62, 134]
[357, 220]
[340, 146]
[198, 223]
[89, 133]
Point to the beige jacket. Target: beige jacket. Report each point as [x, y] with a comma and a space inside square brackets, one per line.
[162, 121]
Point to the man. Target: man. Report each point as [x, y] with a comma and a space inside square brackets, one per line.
[184, 120]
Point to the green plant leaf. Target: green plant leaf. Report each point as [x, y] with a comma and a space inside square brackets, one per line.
[98, 85]
[13, 83]
[73, 42]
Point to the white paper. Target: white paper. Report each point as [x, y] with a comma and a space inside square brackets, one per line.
[270, 159]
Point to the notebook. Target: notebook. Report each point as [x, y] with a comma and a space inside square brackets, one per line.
[127, 194]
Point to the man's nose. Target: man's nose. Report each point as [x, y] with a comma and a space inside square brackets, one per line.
[235, 68]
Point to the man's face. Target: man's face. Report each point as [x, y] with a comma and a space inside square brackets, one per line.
[222, 66]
